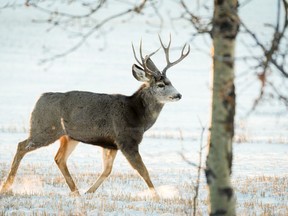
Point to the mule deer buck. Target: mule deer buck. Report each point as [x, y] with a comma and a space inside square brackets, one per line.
[114, 122]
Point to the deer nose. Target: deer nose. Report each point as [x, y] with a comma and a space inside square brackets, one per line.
[178, 96]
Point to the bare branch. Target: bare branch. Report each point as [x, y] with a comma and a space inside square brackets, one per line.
[197, 186]
[11, 4]
[279, 67]
[196, 21]
[72, 16]
[155, 8]
[270, 54]
[198, 166]
[279, 95]
[85, 36]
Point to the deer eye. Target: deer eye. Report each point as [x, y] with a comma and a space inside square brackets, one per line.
[160, 85]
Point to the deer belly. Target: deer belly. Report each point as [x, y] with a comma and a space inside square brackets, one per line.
[104, 142]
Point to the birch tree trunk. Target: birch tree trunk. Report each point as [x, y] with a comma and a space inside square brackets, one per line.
[219, 159]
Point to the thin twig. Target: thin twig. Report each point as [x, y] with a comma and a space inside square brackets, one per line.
[85, 36]
[197, 186]
[198, 166]
[270, 54]
[196, 21]
[72, 16]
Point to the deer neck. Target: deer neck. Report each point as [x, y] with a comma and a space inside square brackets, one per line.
[148, 107]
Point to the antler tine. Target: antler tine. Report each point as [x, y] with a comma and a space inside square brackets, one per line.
[151, 54]
[136, 56]
[147, 56]
[188, 51]
[141, 55]
[154, 71]
[143, 62]
[166, 51]
[183, 55]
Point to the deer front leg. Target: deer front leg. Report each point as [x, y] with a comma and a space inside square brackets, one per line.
[134, 158]
[108, 159]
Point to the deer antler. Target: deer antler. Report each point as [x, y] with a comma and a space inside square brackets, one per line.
[147, 64]
[166, 51]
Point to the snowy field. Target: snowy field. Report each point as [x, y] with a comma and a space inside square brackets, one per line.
[103, 64]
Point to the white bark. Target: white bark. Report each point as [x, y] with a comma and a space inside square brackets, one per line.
[219, 159]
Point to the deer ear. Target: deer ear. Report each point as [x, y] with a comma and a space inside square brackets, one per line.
[139, 73]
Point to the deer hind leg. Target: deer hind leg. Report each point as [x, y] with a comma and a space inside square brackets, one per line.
[108, 159]
[134, 158]
[22, 149]
[67, 145]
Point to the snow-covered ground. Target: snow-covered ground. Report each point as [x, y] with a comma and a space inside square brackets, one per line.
[260, 151]
[259, 176]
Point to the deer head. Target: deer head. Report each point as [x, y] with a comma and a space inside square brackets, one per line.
[157, 81]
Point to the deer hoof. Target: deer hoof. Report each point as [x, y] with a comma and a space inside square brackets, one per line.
[75, 194]
[5, 191]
